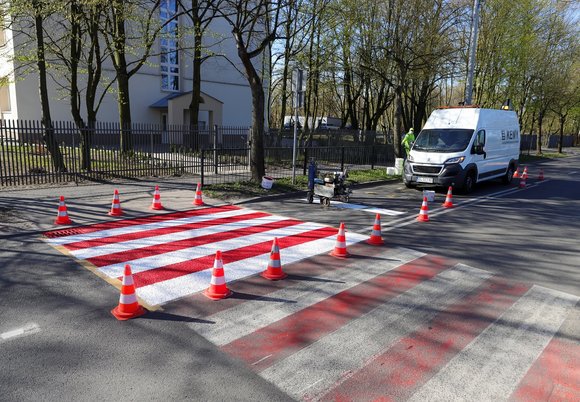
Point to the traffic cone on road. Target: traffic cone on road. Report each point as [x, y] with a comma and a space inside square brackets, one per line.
[274, 271]
[62, 216]
[448, 199]
[116, 206]
[525, 172]
[423, 213]
[198, 200]
[340, 247]
[376, 238]
[523, 180]
[516, 174]
[217, 288]
[128, 306]
[156, 200]
[541, 175]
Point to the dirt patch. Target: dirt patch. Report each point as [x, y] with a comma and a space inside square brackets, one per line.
[11, 221]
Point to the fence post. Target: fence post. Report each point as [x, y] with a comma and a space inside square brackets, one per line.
[202, 165]
[374, 151]
[305, 161]
[215, 153]
[342, 158]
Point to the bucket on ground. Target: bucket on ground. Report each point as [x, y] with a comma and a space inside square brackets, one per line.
[429, 194]
[267, 182]
[399, 165]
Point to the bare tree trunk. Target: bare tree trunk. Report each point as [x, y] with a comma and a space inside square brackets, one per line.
[257, 135]
[120, 64]
[539, 138]
[562, 122]
[398, 120]
[48, 137]
[196, 77]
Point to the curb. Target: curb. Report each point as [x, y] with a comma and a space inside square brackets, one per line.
[294, 194]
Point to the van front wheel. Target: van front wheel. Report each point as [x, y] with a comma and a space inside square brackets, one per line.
[468, 183]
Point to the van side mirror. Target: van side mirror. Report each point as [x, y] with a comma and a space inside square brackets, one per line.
[478, 150]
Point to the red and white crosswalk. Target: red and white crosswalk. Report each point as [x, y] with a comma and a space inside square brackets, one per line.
[171, 255]
[387, 324]
[400, 325]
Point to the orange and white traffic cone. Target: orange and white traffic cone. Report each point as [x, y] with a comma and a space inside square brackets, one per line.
[423, 213]
[525, 172]
[156, 200]
[62, 216]
[516, 174]
[116, 206]
[274, 271]
[376, 238]
[340, 247]
[448, 199]
[128, 306]
[541, 175]
[217, 288]
[198, 200]
[523, 180]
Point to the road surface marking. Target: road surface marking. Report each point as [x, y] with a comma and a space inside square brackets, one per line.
[172, 255]
[26, 330]
[366, 208]
[491, 366]
[370, 334]
[254, 314]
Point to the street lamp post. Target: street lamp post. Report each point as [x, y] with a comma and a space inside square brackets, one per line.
[472, 52]
[298, 83]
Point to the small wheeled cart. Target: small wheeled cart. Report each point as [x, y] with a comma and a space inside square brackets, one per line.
[332, 185]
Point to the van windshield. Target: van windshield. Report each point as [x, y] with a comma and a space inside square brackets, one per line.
[443, 140]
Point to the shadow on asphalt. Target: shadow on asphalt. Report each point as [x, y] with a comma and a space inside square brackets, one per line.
[160, 315]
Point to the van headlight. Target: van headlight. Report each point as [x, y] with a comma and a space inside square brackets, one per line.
[457, 159]
[410, 158]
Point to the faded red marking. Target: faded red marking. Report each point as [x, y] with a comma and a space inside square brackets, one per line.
[157, 249]
[414, 359]
[143, 234]
[167, 272]
[554, 376]
[299, 330]
[135, 221]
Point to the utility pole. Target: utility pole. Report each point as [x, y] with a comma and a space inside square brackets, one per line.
[298, 84]
[472, 51]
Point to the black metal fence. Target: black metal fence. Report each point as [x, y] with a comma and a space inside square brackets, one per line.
[222, 165]
[217, 154]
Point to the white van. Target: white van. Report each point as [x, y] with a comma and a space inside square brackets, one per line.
[462, 146]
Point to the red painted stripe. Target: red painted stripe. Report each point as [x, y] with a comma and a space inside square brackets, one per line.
[164, 273]
[414, 359]
[161, 231]
[299, 330]
[136, 221]
[130, 255]
[554, 376]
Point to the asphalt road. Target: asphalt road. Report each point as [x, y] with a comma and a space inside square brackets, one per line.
[59, 341]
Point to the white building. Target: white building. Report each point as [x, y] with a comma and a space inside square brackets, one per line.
[160, 92]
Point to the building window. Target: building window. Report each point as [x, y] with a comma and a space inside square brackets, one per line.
[169, 58]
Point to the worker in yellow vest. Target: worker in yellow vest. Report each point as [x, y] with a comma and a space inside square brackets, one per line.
[408, 140]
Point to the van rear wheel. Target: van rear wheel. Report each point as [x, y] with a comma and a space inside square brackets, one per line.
[509, 175]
